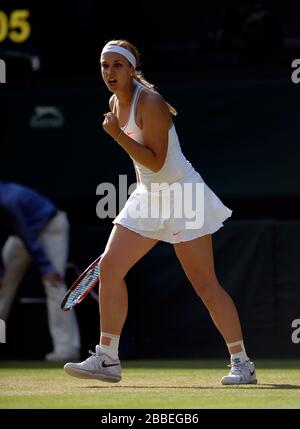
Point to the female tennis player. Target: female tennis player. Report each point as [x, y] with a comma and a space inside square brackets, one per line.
[168, 190]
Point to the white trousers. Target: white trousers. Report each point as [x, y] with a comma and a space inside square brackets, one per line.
[54, 238]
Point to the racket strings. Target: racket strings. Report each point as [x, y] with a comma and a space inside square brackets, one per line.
[81, 289]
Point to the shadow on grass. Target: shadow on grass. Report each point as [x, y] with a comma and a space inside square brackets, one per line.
[253, 386]
[164, 364]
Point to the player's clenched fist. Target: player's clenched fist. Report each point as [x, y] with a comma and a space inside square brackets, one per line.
[111, 124]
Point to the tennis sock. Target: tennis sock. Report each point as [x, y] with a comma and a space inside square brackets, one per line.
[112, 349]
[239, 357]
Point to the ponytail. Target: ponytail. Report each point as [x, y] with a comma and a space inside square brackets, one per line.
[140, 78]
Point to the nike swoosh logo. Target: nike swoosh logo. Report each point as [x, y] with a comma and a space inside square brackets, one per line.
[251, 372]
[176, 233]
[107, 365]
[130, 132]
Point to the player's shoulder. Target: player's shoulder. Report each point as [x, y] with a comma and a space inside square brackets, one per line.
[150, 96]
[150, 99]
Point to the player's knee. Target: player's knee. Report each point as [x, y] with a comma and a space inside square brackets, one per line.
[108, 266]
[105, 264]
[206, 289]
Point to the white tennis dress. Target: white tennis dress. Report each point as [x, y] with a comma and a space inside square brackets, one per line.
[173, 204]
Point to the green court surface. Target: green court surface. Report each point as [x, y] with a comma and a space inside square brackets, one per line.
[157, 384]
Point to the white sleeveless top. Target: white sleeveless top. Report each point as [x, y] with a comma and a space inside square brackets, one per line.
[163, 225]
[175, 167]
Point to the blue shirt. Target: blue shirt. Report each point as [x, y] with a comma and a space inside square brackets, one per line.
[24, 213]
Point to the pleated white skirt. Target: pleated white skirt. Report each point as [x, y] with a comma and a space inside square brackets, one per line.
[177, 212]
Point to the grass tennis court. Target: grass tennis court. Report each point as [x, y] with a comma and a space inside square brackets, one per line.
[150, 384]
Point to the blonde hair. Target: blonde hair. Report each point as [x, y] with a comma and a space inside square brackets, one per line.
[138, 74]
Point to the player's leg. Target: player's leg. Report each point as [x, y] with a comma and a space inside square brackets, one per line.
[16, 260]
[63, 326]
[196, 258]
[124, 248]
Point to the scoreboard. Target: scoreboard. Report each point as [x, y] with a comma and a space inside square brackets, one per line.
[19, 41]
[15, 26]
[59, 38]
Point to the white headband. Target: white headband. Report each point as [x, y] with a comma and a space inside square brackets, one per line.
[119, 50]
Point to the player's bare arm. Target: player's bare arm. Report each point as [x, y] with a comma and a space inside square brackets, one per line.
[155, 124]
[155, 118]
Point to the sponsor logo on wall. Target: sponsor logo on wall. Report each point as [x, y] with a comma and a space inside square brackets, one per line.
[47, 117]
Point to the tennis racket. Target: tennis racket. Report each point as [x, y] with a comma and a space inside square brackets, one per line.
[82, 286]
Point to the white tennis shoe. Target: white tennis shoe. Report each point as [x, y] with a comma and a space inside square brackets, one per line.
[240, 373]
[99, 366]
